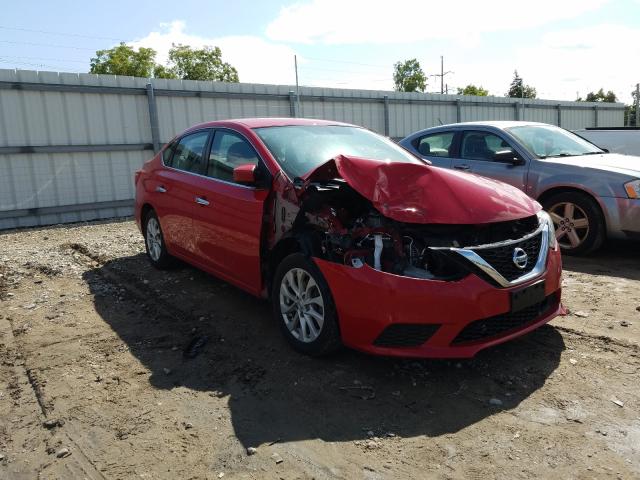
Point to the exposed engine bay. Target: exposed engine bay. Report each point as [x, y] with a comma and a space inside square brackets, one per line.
[346, 228]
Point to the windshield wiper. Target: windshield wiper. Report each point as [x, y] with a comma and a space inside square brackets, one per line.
[558, 155]
[592, 153]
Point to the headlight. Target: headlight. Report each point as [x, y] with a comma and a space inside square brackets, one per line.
[633, 188]
[543, 217]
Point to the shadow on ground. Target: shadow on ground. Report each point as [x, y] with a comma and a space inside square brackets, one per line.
[276, 394]
[615, 258]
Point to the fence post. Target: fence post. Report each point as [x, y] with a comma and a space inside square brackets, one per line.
[292, 103]
[386, 115]
[559, 107]
[516, 107]
[595, 112]
[458, 111]
[153, 118]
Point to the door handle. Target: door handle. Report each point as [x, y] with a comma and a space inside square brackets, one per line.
[161, 189]
[202, 201]
[462, 167]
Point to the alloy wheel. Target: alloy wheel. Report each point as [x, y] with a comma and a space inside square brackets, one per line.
[301, 305]
[154, 239]
[571, 224]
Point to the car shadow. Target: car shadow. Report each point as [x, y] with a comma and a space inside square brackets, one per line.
[615, 259]
[192, 330]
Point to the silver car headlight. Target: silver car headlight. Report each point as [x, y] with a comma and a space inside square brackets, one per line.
[544, 218]
[633, 188]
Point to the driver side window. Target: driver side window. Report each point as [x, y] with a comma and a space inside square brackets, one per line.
[229, 150]
[483, 146]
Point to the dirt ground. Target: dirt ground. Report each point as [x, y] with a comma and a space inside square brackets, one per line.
[112, 370]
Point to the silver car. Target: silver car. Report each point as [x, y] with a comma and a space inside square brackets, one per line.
[590, 194]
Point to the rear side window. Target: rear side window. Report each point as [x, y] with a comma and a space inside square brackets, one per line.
[189, 153]
[435, 145]
[228, 151]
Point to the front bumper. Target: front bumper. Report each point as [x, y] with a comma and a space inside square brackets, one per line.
[368, 301]
[623, 217]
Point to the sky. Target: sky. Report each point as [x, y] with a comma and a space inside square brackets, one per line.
[564, 48]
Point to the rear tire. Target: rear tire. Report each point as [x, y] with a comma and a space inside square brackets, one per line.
[154, 242]
[579, 223]
[304, 308]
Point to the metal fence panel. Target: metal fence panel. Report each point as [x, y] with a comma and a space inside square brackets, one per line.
[69, 143]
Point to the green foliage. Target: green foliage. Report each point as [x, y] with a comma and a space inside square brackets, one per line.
[630, 111]
[200, 64]
[519, 90]
[599, 96]
[185, 63]
[473, 90]
[409, 77]
[124, 60]
[160, 71]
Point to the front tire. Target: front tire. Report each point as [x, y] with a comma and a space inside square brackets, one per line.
[154, 242]
[304, 308]
[580, 226]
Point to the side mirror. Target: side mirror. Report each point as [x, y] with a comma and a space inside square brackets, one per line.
[245, 174]
[508, 156]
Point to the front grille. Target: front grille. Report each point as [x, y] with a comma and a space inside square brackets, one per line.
[505, 323]
[405, 335]
[501, 258]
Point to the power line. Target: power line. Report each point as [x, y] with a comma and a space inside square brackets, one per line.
[46, 45]
[43, 58]
[65, 34]
[345, 61]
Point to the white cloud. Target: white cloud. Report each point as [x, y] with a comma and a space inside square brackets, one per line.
[583, 60]
[405, 21]
[256, 59]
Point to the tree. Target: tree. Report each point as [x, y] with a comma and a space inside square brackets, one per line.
[409, 77]
[519, 90]
[599, 96]
[630, 111]
[160, 71]
[184, 63]
[473, 90]
[124, 60]
[200, 64]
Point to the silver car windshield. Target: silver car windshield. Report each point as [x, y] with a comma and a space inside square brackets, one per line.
[548, 141]
[299, 149]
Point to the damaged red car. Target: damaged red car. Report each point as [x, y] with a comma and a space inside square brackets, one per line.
[355, 241]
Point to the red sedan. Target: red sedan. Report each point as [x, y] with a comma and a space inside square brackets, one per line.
[355, 241]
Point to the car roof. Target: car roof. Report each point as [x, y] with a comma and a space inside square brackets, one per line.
[270, 122]
[494, 123]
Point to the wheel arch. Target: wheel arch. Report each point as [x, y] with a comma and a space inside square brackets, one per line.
[300, 242]
[544, 196]
[144, 211]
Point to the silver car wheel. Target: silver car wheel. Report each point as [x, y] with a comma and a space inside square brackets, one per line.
[301, 305]
[154, 239]
[571, 224]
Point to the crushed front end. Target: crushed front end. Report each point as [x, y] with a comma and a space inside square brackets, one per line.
[426, 288]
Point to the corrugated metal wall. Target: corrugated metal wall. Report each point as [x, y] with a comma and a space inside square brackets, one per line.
[69, 143]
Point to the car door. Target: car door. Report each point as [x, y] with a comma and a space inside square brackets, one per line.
[438, 147]
[228, 216]
[490, 155]
[171, 190]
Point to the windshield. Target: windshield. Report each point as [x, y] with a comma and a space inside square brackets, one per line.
[546, 141]
[300, 149]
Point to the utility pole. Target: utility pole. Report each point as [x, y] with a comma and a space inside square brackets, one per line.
[295, 62]
[441, 74]
[637, 105]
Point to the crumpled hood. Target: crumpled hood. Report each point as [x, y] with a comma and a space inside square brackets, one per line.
[416, 193]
